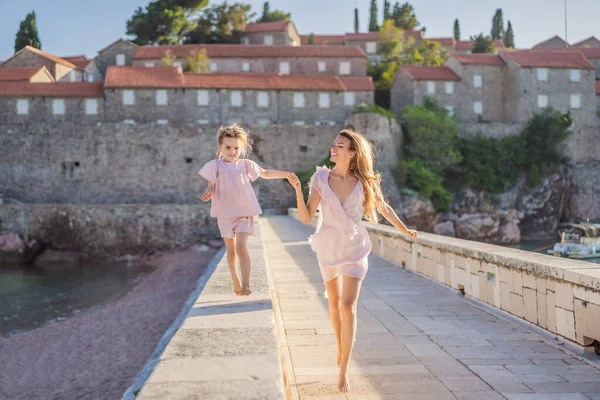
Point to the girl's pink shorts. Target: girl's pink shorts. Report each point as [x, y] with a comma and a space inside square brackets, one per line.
[230, 226]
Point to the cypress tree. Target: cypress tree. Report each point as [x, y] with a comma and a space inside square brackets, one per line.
[28, 34]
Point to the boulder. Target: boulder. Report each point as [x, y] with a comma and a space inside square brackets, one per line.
[418, 212]
[55, 259]
[17, 250]
[445, 229]
[498, 227]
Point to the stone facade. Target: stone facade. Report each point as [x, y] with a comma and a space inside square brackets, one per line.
[92, 73]
[41, 110]
[287, 37]
[589, 42]
[108, 56]
[25, 58]
[553, 43]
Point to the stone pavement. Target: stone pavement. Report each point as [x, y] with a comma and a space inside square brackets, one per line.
[414, 340]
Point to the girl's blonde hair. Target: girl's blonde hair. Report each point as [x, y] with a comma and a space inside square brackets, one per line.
[361, 165]
[237, 132]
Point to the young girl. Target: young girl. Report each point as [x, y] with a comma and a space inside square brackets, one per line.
[344, 195]
[234, 203]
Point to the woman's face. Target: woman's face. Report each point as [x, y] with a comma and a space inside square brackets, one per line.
[231, 149]
[340, 150]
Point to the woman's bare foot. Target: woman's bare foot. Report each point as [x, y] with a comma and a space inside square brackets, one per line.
[343, 381]
[246, 291]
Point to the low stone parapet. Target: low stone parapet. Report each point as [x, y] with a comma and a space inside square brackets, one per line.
[559, 295]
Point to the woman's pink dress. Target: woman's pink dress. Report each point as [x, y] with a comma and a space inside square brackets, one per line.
[341, 241]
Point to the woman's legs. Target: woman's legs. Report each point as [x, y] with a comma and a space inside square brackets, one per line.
[241, 247]
[231, 261]
[349, 298]
[334, 293]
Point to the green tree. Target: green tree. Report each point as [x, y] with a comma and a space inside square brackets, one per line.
[404, 16]
[163, 21]
[197, 62]
[456, 29]
[168, 59]
[391, 40]
[497, 32]
[311, 39]
[482, 44]
[28, 33]
[217, 23]
[509, 37]
[356, 23]
[273, 16]
[387, 12]
[373, 25]
[433, 53]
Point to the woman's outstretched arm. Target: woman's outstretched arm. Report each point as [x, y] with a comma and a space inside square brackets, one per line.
[390, 215]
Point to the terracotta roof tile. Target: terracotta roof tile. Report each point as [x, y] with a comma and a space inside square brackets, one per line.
[324, 39]
[464, 45]
[80, 61]
[597, 88]
[267, 26]
[358, 83]
[591, 53]
[480, 59]
[141, 77]
[413, 34]
[549, 59]
[443, 41]
[18, 74]
[54, 89]
[249, 51]
[50, 57]
[423, 73]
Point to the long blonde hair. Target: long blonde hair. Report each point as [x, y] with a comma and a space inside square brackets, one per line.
[361, 165]
[237, 132]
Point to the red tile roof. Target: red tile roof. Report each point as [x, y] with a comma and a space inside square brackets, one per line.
[267, 27]
[464, 45]
[50, 57]
[480, 59]
[80, 61]
[443, 41]
[141, 77]
[358, 83]
[591, 53]
[597, 88]
[54, 89]
[249, 51]
[549, 59]
[19, 74]
[540, 44]
[324, 39]
[413, 34]
[423, 73]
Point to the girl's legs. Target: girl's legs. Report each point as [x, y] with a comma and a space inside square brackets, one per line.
[349, 298]
[334, 293]
[241, 247]
[231, 261]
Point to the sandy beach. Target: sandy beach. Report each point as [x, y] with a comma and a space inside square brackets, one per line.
[97, 354]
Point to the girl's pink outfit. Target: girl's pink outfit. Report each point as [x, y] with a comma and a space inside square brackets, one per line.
[341, 241]
[233, 202]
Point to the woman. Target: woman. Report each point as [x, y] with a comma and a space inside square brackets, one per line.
[345, 195]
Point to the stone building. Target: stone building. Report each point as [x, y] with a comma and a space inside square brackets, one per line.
[91, 73]
[322, 40]
[60, 69]
[117, 53]
[293, 60]
[166, 95]
[555, 42]
[413, 83]
[280, 33]
[26, 74]
[369, 42]
[591, 42]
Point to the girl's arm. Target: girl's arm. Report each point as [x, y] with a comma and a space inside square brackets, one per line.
[306, 210]
[208, 192]
[273, 174]
[390, 215]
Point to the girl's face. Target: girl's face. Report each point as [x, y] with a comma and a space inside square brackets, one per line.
[340, 150]
[231, 149]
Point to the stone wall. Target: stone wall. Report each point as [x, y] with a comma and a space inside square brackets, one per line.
[28, 58]
[40, 110]
[109, 230]
[108, 56]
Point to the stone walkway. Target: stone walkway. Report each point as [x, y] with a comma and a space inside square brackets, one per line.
[414, 340]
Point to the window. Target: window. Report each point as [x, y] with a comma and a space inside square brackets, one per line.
[268, 40]
[177, 64]
[245, 40]
[478, 108]
[58, 106]
[203, 122]
[245, 66]
[162, 121]
[91, 106]
[322, 66]
[298, 100]
[323, 100]
[284, 68]
[344, 68]
[161, 97]
[236, 98]
[349, 99]
[371, 47]
[299, 123]
[575, 101]
[213, 67]
[22, 106]
[542, 74]
[149, 64]
[120, 59]
[430, 87]
[450, 110]
[477, 81]
[128, 97]
[575, 75]
[202, 97]
[262, 99]
[542, 101]
[449, 87]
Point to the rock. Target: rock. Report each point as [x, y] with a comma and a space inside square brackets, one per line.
[498, 227]
[201, 248]
[59, 259]
[510, 233]
[419, 213]
[216, 244]
[17, 250]
[445, 229]
[583, 200]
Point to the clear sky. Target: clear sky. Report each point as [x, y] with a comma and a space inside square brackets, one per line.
[71, 27]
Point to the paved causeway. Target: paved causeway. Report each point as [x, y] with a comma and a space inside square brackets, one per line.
[414, 340]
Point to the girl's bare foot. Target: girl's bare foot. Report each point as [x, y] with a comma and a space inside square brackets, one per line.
[246, 291]
[343, 381]
[237, 288]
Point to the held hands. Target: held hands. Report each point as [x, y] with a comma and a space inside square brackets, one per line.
[293, 180]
